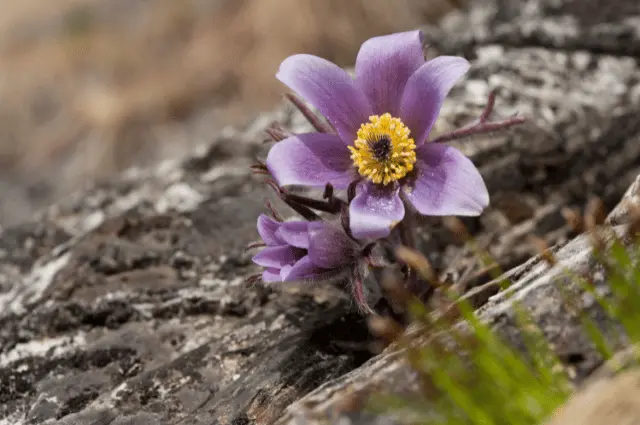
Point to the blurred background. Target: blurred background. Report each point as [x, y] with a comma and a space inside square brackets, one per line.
[91, 87]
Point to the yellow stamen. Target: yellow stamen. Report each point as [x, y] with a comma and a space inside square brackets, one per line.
[383, 151]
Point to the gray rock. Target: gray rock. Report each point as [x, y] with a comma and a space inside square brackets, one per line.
[125, 303]
[612, 401]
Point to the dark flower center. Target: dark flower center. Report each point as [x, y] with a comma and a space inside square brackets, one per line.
[380, 146]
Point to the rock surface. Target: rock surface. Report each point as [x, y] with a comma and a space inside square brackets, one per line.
[125, 304]
[609, 401]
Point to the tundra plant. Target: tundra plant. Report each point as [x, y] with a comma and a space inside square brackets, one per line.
[371, 142]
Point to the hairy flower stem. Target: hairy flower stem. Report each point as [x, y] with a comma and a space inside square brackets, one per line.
[357, 291]
[377, 261]
[253, 245]
[316, 122]
[482, 125]
[253, 279]
[272, 211]
[405, 230]
[277, 133]
[259, 167]
[345, 221]
[303, 210]
[332, 206]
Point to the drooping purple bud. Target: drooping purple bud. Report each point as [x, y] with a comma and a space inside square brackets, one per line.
[303, 250]
[329, 246]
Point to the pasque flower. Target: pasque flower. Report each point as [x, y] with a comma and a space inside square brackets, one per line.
[382, 119]
[303, 250]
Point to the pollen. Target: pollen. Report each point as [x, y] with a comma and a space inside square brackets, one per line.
[384, 151]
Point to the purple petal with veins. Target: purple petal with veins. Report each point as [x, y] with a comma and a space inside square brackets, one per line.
[445, 182]
[330, 89]
[384, 65]
[375, 210]
[278, 256]
[331, 248]
[312, 159]
[425, 92]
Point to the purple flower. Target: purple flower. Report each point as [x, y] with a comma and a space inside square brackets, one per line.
[303, 250]
[383, 118]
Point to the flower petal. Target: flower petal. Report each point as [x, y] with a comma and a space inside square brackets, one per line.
[295, 233]
[445, 182]
[383, 67]
[267, 228]
[271, 275]
[330, 89]
[303, 269]
[278, 256]
[284, 272]
[311, 159]
[330, 247]
[425, 91]
[375, 211]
